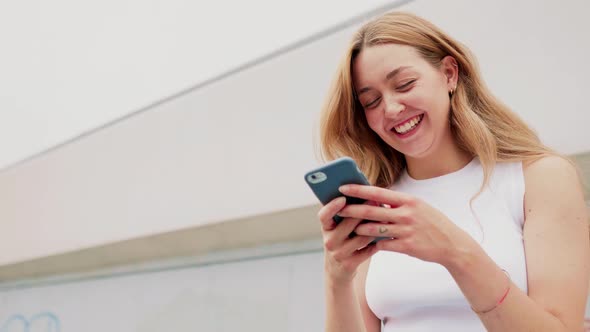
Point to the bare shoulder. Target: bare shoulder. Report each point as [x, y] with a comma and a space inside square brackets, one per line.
[551, 175]
[549, 164]
[553, 188]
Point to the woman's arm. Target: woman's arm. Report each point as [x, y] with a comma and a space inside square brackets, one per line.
[347, 308]
[372, 322]
[344, 271]
[558, 259]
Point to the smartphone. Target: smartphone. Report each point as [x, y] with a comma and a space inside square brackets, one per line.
[325, 181]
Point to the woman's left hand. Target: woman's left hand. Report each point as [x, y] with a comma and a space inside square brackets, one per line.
[416, 228]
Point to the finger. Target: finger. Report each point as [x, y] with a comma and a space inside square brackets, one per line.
[396, 245]
[346, 227]
[328, 211]
[372, 193]
[357, 243]
[351, 246]
[363, 254]
[335, 239]
[369, 212]
[383, 230]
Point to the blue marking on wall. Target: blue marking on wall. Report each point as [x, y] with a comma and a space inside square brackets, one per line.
[41, 322]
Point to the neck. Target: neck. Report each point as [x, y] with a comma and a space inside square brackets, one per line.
[448, 158]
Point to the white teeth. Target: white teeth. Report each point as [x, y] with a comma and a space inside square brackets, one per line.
[408, 125]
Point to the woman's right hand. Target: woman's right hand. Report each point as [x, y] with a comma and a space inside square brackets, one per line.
[343, 254]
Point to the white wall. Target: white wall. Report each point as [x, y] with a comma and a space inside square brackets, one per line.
[238, 147]
[69, 66]
[207, 156]
[282, 293]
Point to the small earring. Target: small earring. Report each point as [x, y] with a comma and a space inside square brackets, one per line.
[451, 92]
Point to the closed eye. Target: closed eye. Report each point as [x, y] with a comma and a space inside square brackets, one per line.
[372, 103]
[406, 86]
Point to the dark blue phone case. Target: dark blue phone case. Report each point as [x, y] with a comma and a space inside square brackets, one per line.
[325, 181]
[337, 173]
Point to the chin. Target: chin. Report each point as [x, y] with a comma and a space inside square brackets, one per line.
[415, 155]
[419, 151]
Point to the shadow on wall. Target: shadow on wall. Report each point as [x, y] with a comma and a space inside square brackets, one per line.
[42, 322]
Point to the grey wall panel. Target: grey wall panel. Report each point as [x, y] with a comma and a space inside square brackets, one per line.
[238, 147]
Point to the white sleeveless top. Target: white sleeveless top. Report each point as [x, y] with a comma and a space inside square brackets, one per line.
[412, 295]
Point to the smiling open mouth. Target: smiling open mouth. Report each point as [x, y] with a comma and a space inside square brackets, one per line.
[409, 126]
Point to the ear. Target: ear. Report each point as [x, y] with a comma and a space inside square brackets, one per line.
[450, 70]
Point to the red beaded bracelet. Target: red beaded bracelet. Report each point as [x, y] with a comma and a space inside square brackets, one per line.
[501, 299]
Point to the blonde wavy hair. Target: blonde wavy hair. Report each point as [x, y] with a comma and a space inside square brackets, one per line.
[481, 124]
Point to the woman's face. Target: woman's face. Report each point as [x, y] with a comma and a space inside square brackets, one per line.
[405, 99]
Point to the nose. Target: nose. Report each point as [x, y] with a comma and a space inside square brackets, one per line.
[393, 107]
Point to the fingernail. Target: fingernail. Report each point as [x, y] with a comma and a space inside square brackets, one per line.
[344, 187]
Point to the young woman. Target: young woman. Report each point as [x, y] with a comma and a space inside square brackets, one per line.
[488, 226]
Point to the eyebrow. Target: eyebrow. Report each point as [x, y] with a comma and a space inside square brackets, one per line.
[389, 76]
